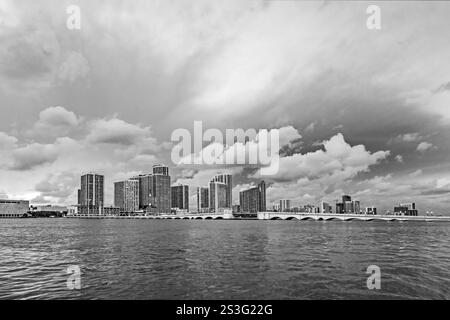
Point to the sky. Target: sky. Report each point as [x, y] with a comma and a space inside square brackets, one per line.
[359, 111]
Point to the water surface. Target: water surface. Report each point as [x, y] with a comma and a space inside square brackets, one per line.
[201, 259]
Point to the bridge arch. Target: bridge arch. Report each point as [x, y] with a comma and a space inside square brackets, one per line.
[276, 218]
[291, 218]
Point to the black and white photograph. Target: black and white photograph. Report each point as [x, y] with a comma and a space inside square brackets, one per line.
[224, 152]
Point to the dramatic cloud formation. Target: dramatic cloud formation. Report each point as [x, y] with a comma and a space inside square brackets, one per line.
[337, 162]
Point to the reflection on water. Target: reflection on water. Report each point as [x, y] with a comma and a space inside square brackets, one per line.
[179, 259]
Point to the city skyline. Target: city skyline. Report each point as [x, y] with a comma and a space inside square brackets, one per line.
[359, 111]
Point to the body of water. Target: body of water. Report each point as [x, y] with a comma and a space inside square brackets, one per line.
[201, 259]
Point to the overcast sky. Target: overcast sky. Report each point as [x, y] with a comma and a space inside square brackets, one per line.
[362, 112]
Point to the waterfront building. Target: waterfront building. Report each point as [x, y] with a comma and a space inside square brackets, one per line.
[325, 207]
[126, 195]
[72, 210]
[145, 191]
[285, 205]
[356, 207]
[406, 209]
[13, 208]
[79, 197]
[91, 194]
[236, 208]
[202, 199]
[228, 181]
[161, 169]
[371, 210]
[43, 211]
[254, 199]
[217, 196]
[348, 207]
[346, 198]
[180, 197]
[161, 189]
[111, 211]
[339, 207]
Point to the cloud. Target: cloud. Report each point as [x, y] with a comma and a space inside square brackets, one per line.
[399, 158]
[7, 141]
[54, 121]
[57, 187]
[74, 67]
[407, 137]
[36, 154]
[116, 131]
[338, 161]
[424, 146]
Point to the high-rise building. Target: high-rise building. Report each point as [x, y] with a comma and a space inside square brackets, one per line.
[228, 181]
[161, 189]
[346, 198]
[406, 209]
[285, 205]
[180, 197]
[356, 207]
[126, 195]
[91, 194]
[254, 199]
[145, 190]
[161, 169]
[217, 196]
[325, 207]
[339, 207]
[202, 199]
[349, 207]
[371, 210]
[79, 196]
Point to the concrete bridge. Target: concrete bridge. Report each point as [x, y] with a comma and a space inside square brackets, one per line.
[187, 216]
[344, 217]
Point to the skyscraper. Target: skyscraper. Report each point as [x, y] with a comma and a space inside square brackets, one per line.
[161, 169]
[285, 205]
[161, 189]
[180, 197]
[346, 198]
[91, 194]
[325, 207]
[228, 181]
[79, 196]
[217, 196]
[126, 195]
[254, 199]
[202, 199]
[145, 190]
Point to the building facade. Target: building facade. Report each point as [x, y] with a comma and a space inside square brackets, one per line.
[202, 199]
[13, 208]
[126, 195]
[325, 207]
[217, 196]
[285, 205]
[254, 199]
[180, 197]
[161, 189]
[406, 209]
[226, 179]
[145, 191]
[91, 194]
